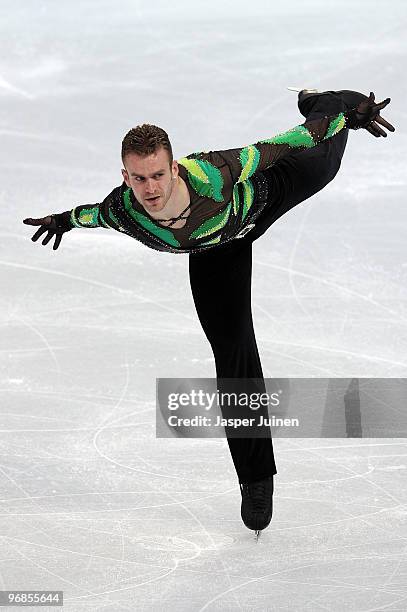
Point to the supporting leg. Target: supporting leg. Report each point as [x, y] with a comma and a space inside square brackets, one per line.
[221, 287]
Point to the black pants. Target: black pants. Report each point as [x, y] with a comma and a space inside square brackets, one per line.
[221, 278]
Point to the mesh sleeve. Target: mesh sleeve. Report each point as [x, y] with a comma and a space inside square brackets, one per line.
[245, 161]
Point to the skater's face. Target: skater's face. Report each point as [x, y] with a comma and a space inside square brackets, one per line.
[151, 178]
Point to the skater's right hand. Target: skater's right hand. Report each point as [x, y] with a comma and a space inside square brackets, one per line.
[55, 225]
[367, 115]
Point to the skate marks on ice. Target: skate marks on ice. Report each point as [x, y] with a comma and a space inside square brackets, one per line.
[334, 301]
[12, 89]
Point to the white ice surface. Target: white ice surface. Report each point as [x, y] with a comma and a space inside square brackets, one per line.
[90, 501]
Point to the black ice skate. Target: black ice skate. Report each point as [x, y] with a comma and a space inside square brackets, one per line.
[307, 98]
[257, 504]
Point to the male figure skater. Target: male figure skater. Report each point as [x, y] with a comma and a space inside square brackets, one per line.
[213, 205]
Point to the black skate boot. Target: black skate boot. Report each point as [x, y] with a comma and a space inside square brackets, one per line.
[257, 504]
[308, 97]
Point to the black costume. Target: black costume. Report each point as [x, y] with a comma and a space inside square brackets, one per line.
[235, 195]
[226, 272]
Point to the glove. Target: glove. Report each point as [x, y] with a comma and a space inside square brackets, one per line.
[366, 115]
[55, 225]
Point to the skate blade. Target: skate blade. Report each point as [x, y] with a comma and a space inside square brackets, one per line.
[298, 89]
[257, 535]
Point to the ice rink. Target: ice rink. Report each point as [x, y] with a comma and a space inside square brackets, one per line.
[91, 502]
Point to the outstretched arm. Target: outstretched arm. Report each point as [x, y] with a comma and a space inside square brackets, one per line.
[247, 160]
[311, 133]
[87, 215]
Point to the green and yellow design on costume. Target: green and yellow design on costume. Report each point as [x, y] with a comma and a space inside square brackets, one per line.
[205, 178]
[223, 177]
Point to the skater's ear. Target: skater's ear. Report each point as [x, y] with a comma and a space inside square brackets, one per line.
[174, 169]
[125, 176]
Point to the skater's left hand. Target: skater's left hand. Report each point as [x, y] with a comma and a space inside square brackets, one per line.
[367, 115]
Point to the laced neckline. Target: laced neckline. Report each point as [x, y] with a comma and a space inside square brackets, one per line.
[175, 219]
